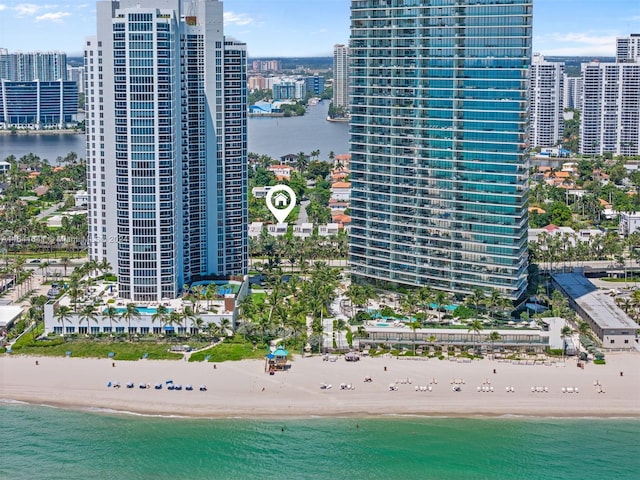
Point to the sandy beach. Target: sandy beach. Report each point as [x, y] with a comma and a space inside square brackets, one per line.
[242, 389]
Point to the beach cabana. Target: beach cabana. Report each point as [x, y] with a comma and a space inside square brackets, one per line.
[276, 360]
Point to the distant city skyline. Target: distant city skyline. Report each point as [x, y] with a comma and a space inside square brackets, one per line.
[291, 28]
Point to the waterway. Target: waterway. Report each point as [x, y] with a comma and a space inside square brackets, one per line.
[270, 136]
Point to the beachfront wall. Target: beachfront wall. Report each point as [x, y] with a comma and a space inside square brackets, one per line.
[143, 325]
[536, 340]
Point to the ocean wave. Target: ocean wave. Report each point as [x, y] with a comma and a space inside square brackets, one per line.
[10, 401]
[112, 411]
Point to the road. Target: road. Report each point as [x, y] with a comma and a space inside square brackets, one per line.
[49, 211]
[302, 214]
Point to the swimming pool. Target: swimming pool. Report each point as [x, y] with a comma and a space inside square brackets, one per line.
[141, 310]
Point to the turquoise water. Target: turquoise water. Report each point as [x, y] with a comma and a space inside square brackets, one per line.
[41, 442]
[142, 310]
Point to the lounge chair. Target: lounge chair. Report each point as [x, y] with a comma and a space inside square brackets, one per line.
[130, 385]
[188, 387]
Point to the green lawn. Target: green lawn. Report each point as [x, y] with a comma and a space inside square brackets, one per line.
[230, 349]
[90, 349]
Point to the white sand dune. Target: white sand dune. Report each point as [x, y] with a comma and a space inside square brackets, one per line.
[243, 389]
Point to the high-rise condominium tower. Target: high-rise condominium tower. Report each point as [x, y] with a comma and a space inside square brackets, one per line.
[32, 66]
[340, 76]
[572, 92]
[166, 145]
[439, 143]
[610, 117]
[546, 97]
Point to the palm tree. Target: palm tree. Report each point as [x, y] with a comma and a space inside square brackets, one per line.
[188, 314]
[565, 333]
[160, 313]
[476, 327]
[302, 161]
[476, 298]
[212, 329]
[174, 318]
[112, 314]
[415, 325]
[198, 323]
[492, 338]
[65, 262]
[425, 296]
[104, 266]
[129, 314]
[64, 313]
[441, 301]
[225, 326]
[88, 314]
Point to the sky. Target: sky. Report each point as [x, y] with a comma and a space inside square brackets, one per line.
[306, 28]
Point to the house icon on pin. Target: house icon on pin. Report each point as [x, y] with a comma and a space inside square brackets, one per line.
[281, 200]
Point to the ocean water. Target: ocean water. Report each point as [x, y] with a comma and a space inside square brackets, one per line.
[47, 443]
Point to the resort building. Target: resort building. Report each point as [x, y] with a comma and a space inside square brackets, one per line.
[610, 117]
[546, 102]
[340, 76]
[166, 115]
[398, 335]
[439, 144]
[615, 329]
[219, 307]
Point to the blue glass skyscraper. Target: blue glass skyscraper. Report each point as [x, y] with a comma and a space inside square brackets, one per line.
[439, 143]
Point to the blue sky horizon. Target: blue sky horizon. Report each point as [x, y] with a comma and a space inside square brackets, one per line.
[294, 28]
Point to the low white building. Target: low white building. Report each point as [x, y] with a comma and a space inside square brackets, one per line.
[281, 171]
[277, 229]
[4, 166]
[8, 315]
[255, 229]
[328, 229]
[260, 192]
[341, 191]
[81, 198]
[210, 311]
[629, 223]
[303, 231]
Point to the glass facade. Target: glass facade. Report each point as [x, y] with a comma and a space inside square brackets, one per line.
[439, 143]
[38, 104]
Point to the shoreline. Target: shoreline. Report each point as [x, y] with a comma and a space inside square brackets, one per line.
[241, 390]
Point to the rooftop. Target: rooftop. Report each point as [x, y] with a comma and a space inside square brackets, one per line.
[600, 307]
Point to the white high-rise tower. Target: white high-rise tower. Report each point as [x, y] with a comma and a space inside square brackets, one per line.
[546, 101]
[166, 145]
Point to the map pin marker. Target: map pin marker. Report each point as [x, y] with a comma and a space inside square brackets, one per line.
[281, 199]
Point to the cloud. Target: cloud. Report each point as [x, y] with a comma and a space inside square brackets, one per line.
[3, 7]
[576, 44]
[27, 9]
[231, 18]
[52, 17]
